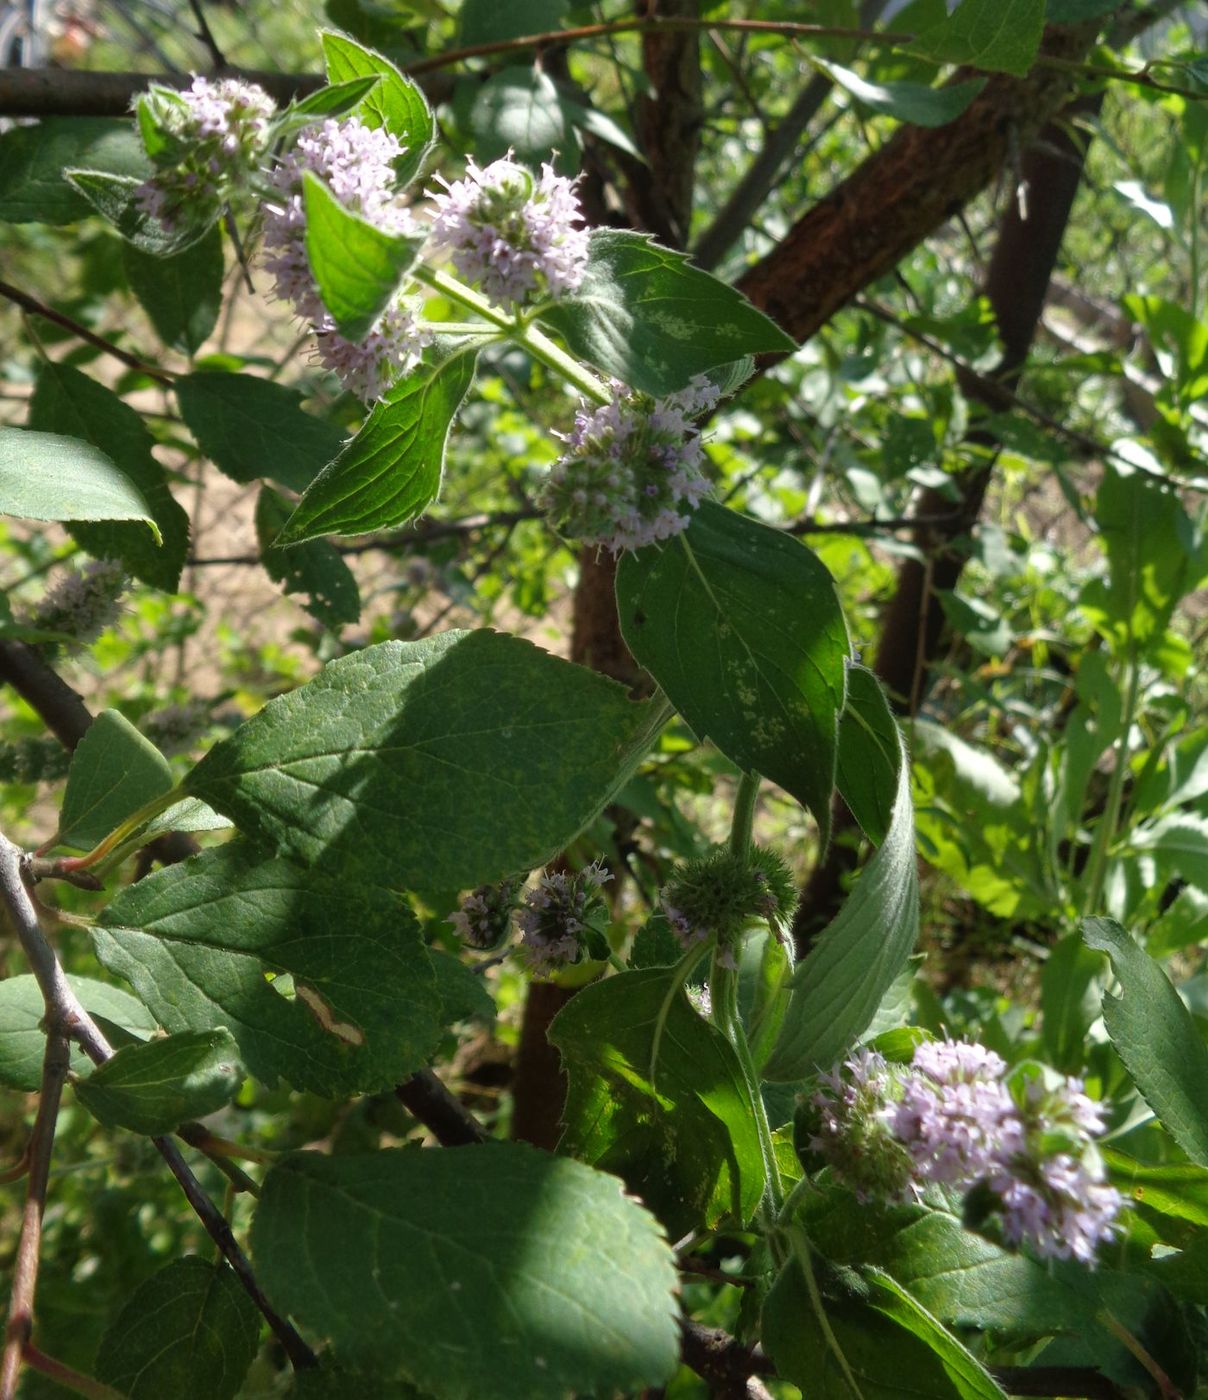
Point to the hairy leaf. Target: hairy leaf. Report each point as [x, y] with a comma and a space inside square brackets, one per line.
[45, 476]
[396, 103]
[158, 1084]
[115, 198]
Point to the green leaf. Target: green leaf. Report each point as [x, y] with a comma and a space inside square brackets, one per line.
[686, 1144]
[647, 316]
[252, 428]
[519, 109]
[1075, 11]
[23, 1040]
[396, 103]
[869, 754]
[210, 942]
[190, 1331]
[402, 756]
[1000, 36]
[314, 569]
[1156, 1038]
[908, 102]
[1069, 1002]
[488, 22]
[356, 265]
[839, 985]
[156, 1085]
[114, 198]
[333, 100]
[550, 1278]
[65, 399]
[33, 158]
[741, 626]
[114, 771]
[463, 994]
[391, 471]
[183, 294]
[44, 476]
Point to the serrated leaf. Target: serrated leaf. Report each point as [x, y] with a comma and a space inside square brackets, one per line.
[332, 100]
[1069, 1002]
[648, 317]
[403, 755]
[114, 771]
[47, 476]
[839, 985]
[23, 1039]
[391, 471]
[33, 158]
[908, 102]
[741, 626]
[201, 941]
[314, 569]
[252, 428]
[356, 265]
[114, 197]
[555, 1281]
[686, 1144]
[1000, 36]
[396, 103]
[869, 754]
[183, 294]
[190, 1332]
[158, 1084]
[66, 399]
[1155, 1036]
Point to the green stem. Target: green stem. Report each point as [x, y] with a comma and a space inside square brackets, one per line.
[1106, 832]
[801, 1253]
[126, 830]
[744, 815]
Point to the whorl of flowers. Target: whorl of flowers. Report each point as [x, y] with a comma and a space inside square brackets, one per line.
[717, 895]
[485, 917]
[519, 239]
[357, 164]
[952, 1118]
[82, 603]
[632, 470]
[215, 135]
[563, 919]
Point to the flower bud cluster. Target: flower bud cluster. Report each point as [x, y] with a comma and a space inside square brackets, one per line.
[82, 604]
[484, 920]
[716, 896]
[951, 1118]
[209, 138]
[519, 239]
[632, 470]
[357, 164]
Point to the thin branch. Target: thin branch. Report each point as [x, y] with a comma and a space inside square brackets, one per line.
[731, 1369]
[45, 691]
[67, 1376]
[37, 308]
[206, 35]
[55, 1064]
[451, 1123]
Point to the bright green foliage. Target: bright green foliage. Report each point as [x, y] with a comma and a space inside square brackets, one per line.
[395, 103]
[183, 294]
[190, 1332]
[657, 1096]
[351, 1005]
[742, 628]
[555, 1281]
[398, 759]
[155, 1086]
[314, 569]
[114, 771]
[649, 318]
[33, 158]
[391, 471]
[998, 35]
[46, 476]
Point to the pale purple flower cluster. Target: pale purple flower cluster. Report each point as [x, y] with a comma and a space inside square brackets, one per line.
[218, 132]
[81, 604]
[357, 164]
[563, 919]
[485, 917]
[952, 1119]
[519, 239]
[632, 472]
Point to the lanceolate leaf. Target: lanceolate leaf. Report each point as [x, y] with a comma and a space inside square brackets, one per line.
[645, 315]
[321, 983]
[908, 102]
[67, 401]
[190, 1332]
[493, 1271]
[114, 197]
[869, 754]
[356, 265]
[395, 103]
[742, 628]
[183, 294]
[1156, 1038]
[155, 1086]
[314, 569]
[1001, 36]
[839, 985]
[403, 757]
[391, 471]
[333, 100]
[45, 476]
[114, 771]
[686, 1143]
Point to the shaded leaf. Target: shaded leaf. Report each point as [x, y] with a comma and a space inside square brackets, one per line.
[1001, 36]
[183, 294]
[156, 1085]
[33, 188]
[519, 109]
[315, 569]
[114, 771]
[869, 754]
[488, 22]
[114, 197]
[908, 102]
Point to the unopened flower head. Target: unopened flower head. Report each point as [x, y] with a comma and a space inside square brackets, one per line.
[485, 917]
[518, 238]
[852, 1119]
[632, 472]
[174, 727]
[205, 143]
[719, 894]
[357, 164]
[563, 919]
[82, 604]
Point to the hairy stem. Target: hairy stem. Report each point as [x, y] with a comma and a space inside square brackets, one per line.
[1105, 834]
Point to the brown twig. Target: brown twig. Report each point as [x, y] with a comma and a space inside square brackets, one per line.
[451, 1123]
[731, 1369]
[206, 35]
[45, 691]
[67, 1376]
[55, 1064]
